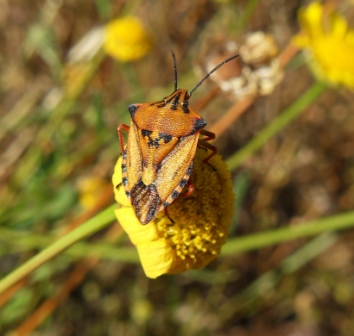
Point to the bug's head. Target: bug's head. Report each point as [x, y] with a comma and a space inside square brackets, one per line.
[178, 98]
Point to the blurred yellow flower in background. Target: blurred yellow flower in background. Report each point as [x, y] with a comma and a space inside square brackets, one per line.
[126, 39]
[201, 221]
[90, 189]
[330, 44]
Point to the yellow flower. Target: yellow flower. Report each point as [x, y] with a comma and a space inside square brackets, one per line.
[90, 188]
[330, 44]
[126, 39]
[201, 221]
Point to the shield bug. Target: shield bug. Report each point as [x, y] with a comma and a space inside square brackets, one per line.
[162, 140]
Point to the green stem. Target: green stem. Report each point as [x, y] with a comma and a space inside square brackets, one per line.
[86, 229]
[278, 124]
[23, 241]
[262, 239]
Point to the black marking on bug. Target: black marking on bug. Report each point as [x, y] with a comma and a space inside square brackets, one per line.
[166, 204]
[154, 142]
[183, 182]
[127, 193]
[124, 168]
[174, 194]
[161, 104]
[175, 102]
[132, 109]
[168, 101]
[118, 185]
[125, 154]
[185, 107]
[146, 133]
[146, 201]
[124, 181]
[175, 174]
[165, 137]
[151, 213]
[198, 124]
[189, 170]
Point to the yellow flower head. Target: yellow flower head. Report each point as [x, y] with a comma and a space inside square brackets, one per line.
[330, 44]
[89, 189]
[200, 227]
[126, 39]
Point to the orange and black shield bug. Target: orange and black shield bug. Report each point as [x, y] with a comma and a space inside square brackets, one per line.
[162, 140]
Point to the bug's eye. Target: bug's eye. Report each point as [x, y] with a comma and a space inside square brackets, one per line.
[132, 109]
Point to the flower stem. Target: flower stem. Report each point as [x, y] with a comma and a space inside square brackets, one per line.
[23, 241]
[86, 229]
[278, 124]
[262, 239]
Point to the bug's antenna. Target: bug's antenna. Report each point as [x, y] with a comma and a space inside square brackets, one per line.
[216, 68]
[175, 68]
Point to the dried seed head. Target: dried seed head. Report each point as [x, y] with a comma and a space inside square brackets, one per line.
[256, 72]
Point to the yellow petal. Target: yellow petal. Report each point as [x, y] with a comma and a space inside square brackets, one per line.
[339, 27]
[138, 233]
[311, 20]
[119, 193]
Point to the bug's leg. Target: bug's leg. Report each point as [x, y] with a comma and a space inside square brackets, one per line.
[214, 150]
[190, 187]
[209, 135]
[202, 143]
[166, 213]
[122, 127]
[190, 191]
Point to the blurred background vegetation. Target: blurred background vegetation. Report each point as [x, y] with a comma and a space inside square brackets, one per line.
[62, 98]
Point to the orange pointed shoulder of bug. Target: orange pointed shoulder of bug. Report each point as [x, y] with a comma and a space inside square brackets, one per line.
[158, 158]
